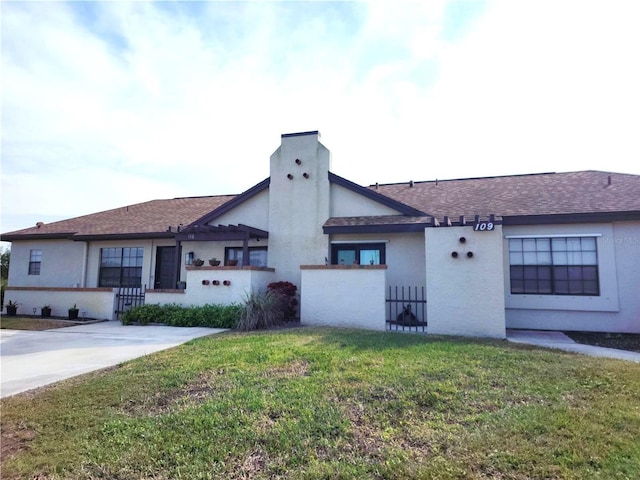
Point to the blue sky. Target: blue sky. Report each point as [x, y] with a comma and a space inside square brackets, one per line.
[106, 104]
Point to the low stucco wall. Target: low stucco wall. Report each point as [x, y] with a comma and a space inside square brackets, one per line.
[343, 296]
[91, 302]
[202, 288]
[465, 295]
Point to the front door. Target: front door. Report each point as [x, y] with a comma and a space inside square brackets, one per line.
[165, 267]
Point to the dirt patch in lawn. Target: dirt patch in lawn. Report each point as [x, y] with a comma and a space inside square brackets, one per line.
[14, 439]
[621, 341]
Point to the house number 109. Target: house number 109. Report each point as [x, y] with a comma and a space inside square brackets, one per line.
[483, 226]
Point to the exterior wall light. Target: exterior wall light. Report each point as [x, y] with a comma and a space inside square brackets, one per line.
[289, 176]
[454, 254]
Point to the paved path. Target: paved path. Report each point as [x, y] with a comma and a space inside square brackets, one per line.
[560, 341]
[33, 359]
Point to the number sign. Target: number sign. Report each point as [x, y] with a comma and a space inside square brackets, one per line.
[483, 226]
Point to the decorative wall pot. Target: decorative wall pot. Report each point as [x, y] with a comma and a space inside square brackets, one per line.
[232, 263]
[205, 282]
[227, 282]
[198, 262]
[216, 282]
[73, 313]
[214, 263]
[11, 311]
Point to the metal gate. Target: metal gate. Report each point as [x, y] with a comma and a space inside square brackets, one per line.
[127, 298]
[407, 309]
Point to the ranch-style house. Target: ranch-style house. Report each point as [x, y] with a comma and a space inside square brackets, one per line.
[474, 256]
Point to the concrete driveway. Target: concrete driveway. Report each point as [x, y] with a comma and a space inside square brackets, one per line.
[33, 359]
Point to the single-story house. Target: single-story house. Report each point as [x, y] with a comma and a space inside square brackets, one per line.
[470, 256]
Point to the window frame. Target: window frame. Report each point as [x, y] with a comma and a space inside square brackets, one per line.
[358, 248]
[539, 265]
[235, 253]
[120, 272]
[35, 262]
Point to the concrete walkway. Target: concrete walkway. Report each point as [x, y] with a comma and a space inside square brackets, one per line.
[33, 359]
[560, 341]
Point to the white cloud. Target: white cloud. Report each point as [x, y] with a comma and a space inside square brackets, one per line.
[135, 101]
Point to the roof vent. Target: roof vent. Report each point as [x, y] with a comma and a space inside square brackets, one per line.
[411, 183]
[39, 224]
[609, 180]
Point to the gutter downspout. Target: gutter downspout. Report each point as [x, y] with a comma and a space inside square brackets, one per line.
[85, 263]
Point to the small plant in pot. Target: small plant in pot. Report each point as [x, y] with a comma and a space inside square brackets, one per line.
[73, 312]
[45, 311]
[214, 262]
[197, 262]
[12, 308]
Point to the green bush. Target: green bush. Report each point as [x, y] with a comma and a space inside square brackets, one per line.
[216, 316]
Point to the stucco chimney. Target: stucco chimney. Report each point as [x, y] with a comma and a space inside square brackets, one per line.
[298, 203]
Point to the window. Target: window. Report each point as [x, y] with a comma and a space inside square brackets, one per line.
[554, 266]
[121, 267]
[35, 261]
[257, 256]
[358, 254]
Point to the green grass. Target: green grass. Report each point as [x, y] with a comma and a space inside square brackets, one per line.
[324, 403]
[33, 323]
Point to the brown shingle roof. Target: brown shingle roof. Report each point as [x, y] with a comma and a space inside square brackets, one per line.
[153, 217]
[537, 194]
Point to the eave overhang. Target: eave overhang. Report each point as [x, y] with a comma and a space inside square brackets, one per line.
[560, 218]
[220, 232]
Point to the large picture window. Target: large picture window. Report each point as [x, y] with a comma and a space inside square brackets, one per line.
[35, 261]
[358, 254]
[257, 256]
[554, 266]
[121, 267]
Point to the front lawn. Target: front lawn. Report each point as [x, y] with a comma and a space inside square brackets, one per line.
[34, 323]
[325, 403]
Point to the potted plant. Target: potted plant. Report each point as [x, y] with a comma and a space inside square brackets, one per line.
[214, 262]
[73, 312]
[197, 262]
[232, 262]
[12, 308]
[45, 311]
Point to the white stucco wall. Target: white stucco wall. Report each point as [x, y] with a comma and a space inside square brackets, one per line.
[346, 203]
[62, 263]
[253, 212]
[241, 282]
[465, 296]
[91, 303]
[343, 296]
[616, 309]
[298, 207]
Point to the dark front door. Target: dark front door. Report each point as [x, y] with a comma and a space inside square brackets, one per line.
[165, 267]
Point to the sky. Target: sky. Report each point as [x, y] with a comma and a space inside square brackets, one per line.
[106, 104]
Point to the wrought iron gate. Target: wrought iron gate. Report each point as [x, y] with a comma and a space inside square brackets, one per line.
[407, 309]
[127, 298]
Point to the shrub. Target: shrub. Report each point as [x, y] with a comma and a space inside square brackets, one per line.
[261, 310]
[287, 292]
[216, 316]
